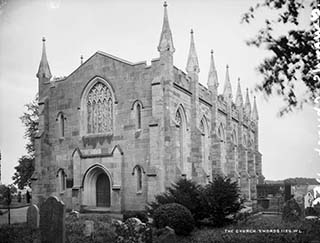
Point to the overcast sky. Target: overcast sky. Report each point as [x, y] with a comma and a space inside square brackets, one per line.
[131, 30]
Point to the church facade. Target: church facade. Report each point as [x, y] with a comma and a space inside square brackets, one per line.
[113, 134]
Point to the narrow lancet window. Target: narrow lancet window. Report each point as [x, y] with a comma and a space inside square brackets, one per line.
[61, 119]
[138, 115]
[139, 179]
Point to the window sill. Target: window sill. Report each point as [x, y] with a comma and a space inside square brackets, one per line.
[95, 135]
[139, 192]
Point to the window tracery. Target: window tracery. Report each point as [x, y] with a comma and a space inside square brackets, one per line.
[178, 118]
[99, 109]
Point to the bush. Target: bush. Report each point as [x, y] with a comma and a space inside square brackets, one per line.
[132, 231]
[291, 211]
[176, 216]
[309, 211]
[142, 215]
[184, 192]
[221, 199]
[102, 229]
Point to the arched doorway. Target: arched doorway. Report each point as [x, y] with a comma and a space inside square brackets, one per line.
[103, 191]
[97, 187]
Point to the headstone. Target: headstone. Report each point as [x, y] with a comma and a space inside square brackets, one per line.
[167, 235]
[52, 221]
[308, 199]
[75, 214]
[33, 216]
[89, 227]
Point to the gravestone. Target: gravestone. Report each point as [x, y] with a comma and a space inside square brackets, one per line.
[166, 235]
[52, 221]
[75, 214]
[33, 216]
[89, 227]
[308, 199]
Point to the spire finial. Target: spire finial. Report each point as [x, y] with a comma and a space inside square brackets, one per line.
[44, 69]
[247, 105]
[165, 43]
[192, 63]
[227, 91]
[239, 98]
[212, 76]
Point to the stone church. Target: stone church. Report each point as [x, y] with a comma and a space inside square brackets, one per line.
[113, 134]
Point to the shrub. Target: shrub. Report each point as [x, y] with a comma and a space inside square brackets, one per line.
[291, 211]
[221, 199]
[309, 211]
[18, 233]
[132, 231]
[176, 216]
[184, 192]
[102, 229]
[142, 215]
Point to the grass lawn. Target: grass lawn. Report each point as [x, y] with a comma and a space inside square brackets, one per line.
[258, 229]
[246, 232]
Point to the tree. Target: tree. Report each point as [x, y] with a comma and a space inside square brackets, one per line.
[221, 200]
[184, 192]
[294, 53]
[25, 168]
[6, 193]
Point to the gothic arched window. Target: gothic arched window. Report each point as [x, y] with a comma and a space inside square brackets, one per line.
[234, 142]
[99, 104]
[60, 121]
[181, 135]
[139, 179]
[138, 172]
[62, 180]
[204, 146]
[221, 133]
[138, 115]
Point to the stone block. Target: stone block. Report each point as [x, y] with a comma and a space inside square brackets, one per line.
[89, 228]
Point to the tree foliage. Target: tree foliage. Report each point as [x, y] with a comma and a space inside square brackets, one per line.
[184, 192]
[294, 59]
[6, 194]
[215, 202]
[25, 168]
[221, 200]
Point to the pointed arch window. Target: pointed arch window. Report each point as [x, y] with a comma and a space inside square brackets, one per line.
[138, 172]
[61, 180]
[138, 109]
[61, 124]
[234, 142]
[99, 104]
[204, 146]
[180, 139]
[223, 152]
[221, 133]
